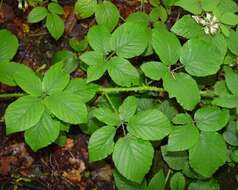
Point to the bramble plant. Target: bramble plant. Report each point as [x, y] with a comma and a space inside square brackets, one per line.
[181, 103]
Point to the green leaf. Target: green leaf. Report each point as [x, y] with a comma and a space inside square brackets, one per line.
[231, 79]
[67, 107]
[97, 65]
[78, 45]
[182, 118]
[175, 160]
[55, 26]
[183, 138]
[128, 108]
[8, 45]
[85, 8]
[166, 45]
[55, 79]
[177, 182]
[139, 17]
[101, 44]
[45, 132]
[157, 182]
[37, 14]
[23, 114]
[122, 72]
[230, 134]
[178, 85]
[220, 88]
[107, 116]
[154, 70]
[101, 143]
[158, 13]
[168, 109]
[192, 6]
[211, 118]
[233, 42]
[129, 152]
[124, 184]
[128, 43]
[208, 154]
[187, 27]
[208, 5]
[107, 10]
[227, 6]
[68, 58]
[149, 125]
[204, 185]
[7, 71]
[226, 101]
[28, 81]
[229, 19]
[55, 8]
[197, 61]
[85, 91]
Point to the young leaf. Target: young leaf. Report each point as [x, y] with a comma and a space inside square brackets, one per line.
[101, 44]
[183, 138]
[55, 25]
[187, 27]
[208, 154]
[124, 184]
[7, 71]
[154, 70]
[8, 45]
[128, 108]
[107, 10]
[97, 65]
[157, 182]
[177, 182]
[231, 79]
[211, 118]
[195, 58]
[85, 91]
[166, 45]
[122, 72]
[178, 85]
[107, 116]
[101, 143]
[67, 107]
[55, 8]
[85, 8]
[37, 14]
[129, 152]
[128, 43]
[149, 125]
[233, 42]
[23, 114]
[45, 132]
[28, 81]
[55, 79]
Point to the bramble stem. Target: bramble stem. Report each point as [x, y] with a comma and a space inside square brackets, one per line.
[206, 93]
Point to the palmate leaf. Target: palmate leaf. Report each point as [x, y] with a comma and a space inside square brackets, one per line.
[128, 43]
[67, 107]
[149, 125]
[8, 45]
[101, 143]
[206, 156]
[130, 159]
[23, 114]
[45, 132]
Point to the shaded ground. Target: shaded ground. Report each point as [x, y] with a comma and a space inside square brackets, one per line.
[61, 168]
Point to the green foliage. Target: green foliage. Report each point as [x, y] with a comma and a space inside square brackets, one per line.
[54, 22]
[179, 96]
